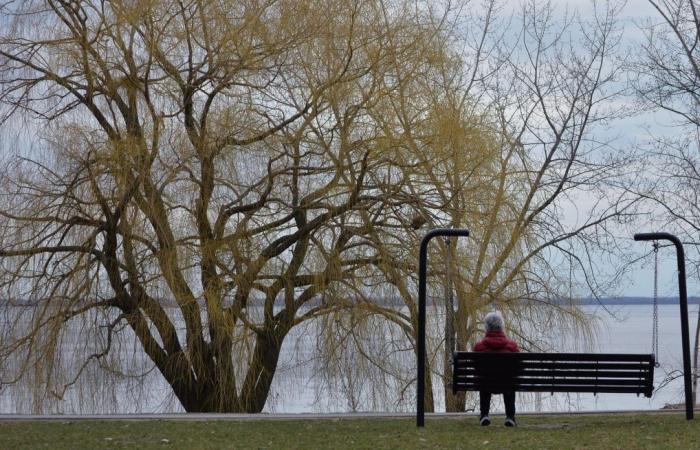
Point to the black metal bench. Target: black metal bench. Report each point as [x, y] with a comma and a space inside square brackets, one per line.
[553, 372]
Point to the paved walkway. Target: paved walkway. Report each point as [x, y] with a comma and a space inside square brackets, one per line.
[266, 416]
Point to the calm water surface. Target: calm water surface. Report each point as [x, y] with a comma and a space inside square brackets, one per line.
[629, 330]
[298, 387]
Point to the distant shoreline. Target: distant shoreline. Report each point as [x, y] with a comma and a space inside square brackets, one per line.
[606, 301]
[635, 301]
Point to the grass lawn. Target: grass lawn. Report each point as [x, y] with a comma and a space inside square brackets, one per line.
[624, 431]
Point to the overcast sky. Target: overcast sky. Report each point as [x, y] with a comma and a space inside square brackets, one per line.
[637, 129]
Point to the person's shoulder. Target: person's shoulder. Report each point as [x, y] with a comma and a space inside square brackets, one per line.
[513, 346]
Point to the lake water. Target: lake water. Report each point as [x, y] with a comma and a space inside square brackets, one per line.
[304, 383]
[628, 330]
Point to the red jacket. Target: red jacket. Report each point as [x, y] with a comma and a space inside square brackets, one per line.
[496, 341]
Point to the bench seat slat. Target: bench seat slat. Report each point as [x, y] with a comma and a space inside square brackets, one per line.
[643, 390]
[561, 373]
[603, 365]
[557, 381]
[582, 357]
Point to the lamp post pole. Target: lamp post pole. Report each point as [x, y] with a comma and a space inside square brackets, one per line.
[422, 275]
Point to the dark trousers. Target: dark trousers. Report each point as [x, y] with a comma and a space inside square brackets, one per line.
[508, 399]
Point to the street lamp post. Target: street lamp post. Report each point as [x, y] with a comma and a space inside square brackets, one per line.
[422, 275]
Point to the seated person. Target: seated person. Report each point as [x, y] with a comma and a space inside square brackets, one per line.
[496, 341]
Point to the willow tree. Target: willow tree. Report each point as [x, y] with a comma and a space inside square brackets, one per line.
[195, 178]
[508, 147]
[548, 90]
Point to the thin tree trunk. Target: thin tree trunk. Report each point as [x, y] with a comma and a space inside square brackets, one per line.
[449, 330]
[453, 402]
[429, 394]
[695, 360]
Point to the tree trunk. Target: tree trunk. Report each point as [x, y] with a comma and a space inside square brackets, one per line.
[262, 370]
[216, 392]
[695, 360]
[429, 397]
[429, 394]
[453, 402]
[463, 333]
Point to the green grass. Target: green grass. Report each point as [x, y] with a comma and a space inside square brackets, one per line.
[628, 431]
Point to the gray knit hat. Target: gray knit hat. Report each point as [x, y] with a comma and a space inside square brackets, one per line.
[494, 321]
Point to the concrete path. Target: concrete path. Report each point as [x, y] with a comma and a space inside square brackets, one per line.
[266, 416]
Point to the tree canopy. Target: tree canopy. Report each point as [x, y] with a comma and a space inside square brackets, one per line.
[204, 176]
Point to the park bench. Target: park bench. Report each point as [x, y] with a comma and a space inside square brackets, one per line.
[553, 372]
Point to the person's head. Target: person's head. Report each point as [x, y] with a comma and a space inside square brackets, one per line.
[494, 321]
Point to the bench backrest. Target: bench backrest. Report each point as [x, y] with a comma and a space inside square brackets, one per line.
[553, 372]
